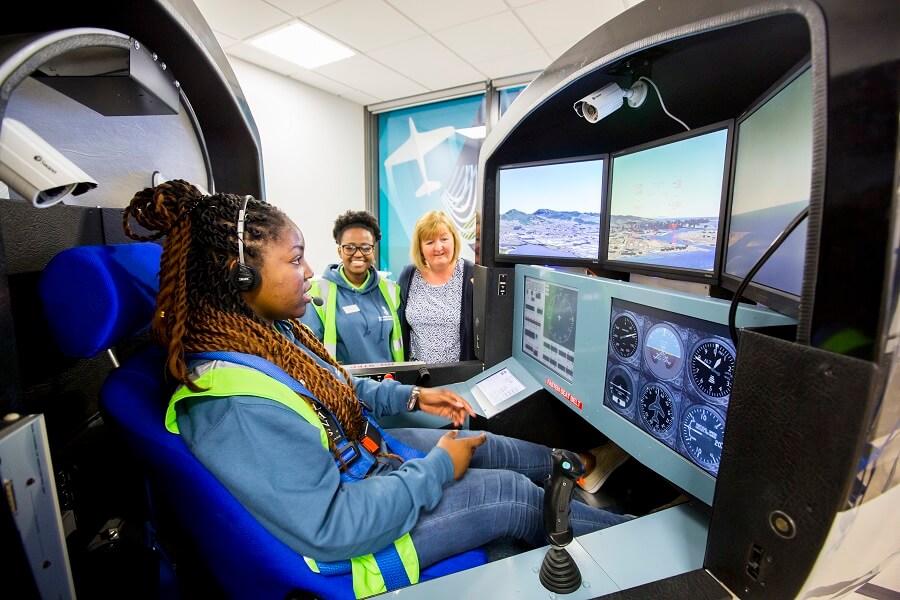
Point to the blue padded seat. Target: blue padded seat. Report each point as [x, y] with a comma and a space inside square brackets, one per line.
[98, 296]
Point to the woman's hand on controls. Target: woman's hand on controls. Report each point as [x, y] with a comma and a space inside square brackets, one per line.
[445, 403]
[460, 450]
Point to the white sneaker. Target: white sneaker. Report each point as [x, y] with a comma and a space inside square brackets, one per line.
[608, 457]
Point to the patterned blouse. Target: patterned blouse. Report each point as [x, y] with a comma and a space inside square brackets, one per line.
[433, 313]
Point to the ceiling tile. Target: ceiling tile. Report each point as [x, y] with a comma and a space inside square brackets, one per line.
[252, 54]
[321, 82]
[241, 19]
[366, 75]
[481, 40]
[433, 15]
[225, 40]
[441, 80]
[298, 8]
[363, 24]
[526, 62]
[558, 50]
[360, 98]
[561, 21]
[515, 3]
[417, 56]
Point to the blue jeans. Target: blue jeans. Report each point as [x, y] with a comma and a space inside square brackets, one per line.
[496, 498]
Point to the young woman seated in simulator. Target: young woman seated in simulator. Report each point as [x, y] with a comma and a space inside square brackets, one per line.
[269, 448]
[358, 319]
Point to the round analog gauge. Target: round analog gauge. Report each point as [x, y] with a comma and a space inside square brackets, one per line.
[702, 430]
[657, 408]
[624, 336]
[663, 352]
[559, 323]
[619, 387]
[712, 368]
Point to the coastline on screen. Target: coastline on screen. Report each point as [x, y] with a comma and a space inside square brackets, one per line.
[551, 210]
[665, 203]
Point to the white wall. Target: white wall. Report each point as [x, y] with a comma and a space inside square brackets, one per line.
[313, 153]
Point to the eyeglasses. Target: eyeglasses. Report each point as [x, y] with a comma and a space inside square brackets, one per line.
[350, 249]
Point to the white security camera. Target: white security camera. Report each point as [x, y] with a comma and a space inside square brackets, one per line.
[36, 170]
[608, 99]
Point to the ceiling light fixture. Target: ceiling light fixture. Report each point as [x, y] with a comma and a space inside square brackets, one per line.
[302, 45]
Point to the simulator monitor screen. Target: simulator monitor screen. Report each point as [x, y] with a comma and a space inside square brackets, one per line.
[665, 203]
[551, 210]
[772, 179]
[670, 375]
[548, 332]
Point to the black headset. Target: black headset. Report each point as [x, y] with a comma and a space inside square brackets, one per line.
[244, 277]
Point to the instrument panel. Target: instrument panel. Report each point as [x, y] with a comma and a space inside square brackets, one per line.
[671, 376]
[651, 368]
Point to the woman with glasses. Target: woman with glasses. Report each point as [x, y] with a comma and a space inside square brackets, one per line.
[436, 293]
[358, 320]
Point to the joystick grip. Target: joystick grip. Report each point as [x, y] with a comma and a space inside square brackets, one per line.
[567, 469]
[559, 573]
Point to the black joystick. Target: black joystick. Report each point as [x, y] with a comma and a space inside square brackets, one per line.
[559, 573]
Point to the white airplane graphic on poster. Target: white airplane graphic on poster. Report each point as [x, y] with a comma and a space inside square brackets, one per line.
[415, 148]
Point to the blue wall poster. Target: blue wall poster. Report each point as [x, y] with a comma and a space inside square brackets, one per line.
[428, 160]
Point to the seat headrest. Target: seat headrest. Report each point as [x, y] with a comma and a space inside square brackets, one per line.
[97, 296]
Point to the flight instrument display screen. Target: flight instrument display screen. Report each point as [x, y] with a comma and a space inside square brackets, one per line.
[548, 330]
[671, 376]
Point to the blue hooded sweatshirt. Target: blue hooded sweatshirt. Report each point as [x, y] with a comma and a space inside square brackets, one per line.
[363, 319]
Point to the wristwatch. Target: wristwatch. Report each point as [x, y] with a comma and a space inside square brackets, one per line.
[413, 402]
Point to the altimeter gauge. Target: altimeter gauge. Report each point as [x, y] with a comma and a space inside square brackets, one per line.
[712, 367]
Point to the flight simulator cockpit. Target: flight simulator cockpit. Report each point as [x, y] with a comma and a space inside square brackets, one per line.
[687, 247]
[649, 271]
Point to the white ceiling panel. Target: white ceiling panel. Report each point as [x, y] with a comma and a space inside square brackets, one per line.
[241, 19]
[225, 40]
[488, 38]
[360, 98]
[560, 21]
[321, 82]
[298, 8]
[370, 77]
[442, 80]
[261, 58]
[525, 62]
[363, 25]
[408, 47]
[418, 56]
[558, 50]
[434, 15]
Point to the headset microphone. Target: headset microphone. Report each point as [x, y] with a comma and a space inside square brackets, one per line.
[317, 301]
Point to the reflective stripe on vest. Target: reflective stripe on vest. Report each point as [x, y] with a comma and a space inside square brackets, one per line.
[372, 574]
[390, 291]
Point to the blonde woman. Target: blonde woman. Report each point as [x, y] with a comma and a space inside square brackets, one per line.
[436, 294]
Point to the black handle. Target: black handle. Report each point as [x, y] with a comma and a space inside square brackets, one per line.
[424, 377]
[567, 469]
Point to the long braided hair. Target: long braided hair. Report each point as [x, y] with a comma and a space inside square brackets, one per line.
[197, 308]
